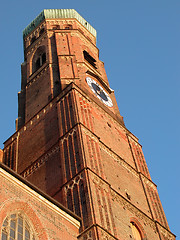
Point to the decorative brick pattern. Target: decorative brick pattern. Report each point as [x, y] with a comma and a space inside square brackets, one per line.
[38, 163]
[77, 199]
[88, 234]
[157, 207]
[94, 158]
[164, 233]
[86, 113]
[71, 154]
[104, 204]
[66, 111]
[139, 158]
[9, 158]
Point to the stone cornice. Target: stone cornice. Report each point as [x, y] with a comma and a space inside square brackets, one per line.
[58, 14]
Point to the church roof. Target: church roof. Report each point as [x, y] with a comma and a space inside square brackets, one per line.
[58, 13]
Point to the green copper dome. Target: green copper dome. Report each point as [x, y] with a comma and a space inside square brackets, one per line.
[57, 13]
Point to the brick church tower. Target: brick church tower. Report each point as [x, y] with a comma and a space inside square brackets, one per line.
[70, 139]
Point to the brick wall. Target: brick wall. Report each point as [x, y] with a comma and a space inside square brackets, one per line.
[1, 155]
[48, 220]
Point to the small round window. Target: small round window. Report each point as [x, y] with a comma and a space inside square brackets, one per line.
[17, 227]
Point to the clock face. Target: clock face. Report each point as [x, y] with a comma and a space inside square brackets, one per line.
[99, 92]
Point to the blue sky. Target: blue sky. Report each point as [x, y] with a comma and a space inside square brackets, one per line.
[139, 42]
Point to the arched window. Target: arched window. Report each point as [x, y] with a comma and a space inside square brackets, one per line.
[68, 26]
[41, 31]
[33, 39]
[136, 232]
[55, 27]
[39, 58]
[17, 227]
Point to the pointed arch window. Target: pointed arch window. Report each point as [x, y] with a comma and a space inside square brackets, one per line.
[17, 227]
[136, 232]
[39, 58]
